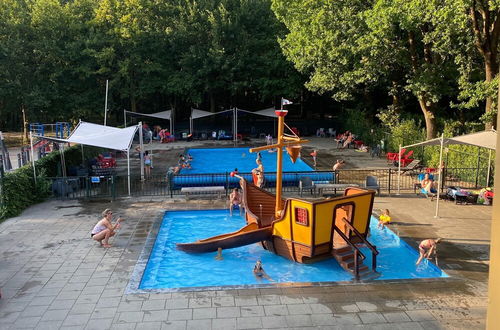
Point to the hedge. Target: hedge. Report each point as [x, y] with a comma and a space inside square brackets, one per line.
[18, 188]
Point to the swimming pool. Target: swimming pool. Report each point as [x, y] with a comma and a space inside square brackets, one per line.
[221, 160]
[169, 268]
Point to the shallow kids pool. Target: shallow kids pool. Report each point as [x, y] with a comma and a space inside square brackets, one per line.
[169, 268]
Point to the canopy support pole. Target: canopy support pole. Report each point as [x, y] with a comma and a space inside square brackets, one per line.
[191, 122]
[128, 170]
[440, 173]
[106, 103]
[141, 147]
[32, 156]
[399, 171]
[83, 155]
[489, 169]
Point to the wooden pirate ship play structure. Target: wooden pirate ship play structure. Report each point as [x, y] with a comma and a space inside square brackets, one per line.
[300, 230]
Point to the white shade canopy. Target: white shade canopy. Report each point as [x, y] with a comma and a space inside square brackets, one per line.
[196, 113]
[103, 136]
[485, 139]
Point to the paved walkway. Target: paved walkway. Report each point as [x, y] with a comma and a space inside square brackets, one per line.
[54, 276]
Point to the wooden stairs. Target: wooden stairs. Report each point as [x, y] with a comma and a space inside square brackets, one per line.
[345, 257]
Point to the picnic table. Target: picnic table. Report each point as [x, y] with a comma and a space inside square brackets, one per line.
[333, 186]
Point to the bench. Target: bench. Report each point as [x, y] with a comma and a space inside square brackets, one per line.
[188, 191]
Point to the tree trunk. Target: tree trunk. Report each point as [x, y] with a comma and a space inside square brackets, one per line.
[491, 68]
[25, 125]
[212, 102]
[430, 119]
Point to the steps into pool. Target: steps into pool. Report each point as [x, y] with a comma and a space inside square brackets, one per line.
[345, 257]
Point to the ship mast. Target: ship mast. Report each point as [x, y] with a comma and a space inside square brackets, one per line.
[283, 141]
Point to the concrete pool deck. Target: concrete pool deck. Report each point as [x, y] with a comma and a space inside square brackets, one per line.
[54, 276]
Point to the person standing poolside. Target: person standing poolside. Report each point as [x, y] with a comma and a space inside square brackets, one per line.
[235, 199]
[426, 248]
[104, 229]
[314, 154]
[148, 162]
[338, 165]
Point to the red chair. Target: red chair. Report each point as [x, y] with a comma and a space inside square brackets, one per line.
[394, 156]
[406, 160]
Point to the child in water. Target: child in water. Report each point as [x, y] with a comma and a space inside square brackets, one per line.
[384, 219]
[259, 272]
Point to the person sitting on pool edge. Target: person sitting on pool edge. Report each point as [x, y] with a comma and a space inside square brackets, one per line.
[259, 272]
[235, 199]
[426, 248]
[104, 229]
[428, 186]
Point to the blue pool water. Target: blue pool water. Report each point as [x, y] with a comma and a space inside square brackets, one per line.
[168, 267]
[221, 160]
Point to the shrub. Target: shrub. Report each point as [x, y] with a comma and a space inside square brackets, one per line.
[18, 188]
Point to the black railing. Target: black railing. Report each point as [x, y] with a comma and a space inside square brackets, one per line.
[368, 244]
[357, 251]
[110, 185]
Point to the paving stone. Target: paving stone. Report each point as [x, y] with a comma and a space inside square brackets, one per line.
[49, 325]
[204, 313]
[224, 324]
[55, 315]
[153, 316]
[27, 322]
[323, 319]
[76, 319]
[130, 306]
[252, 311]
[104, 313]
[153, 305]
[149, 326]
[123, 326]
[42, 301]
[299, 309]
[420, 315]
[248, 323]
[82, 309]
[200, 302]
[130, 317]
[99, 324]
[395, 317]
[228, 312]
[245, 301]
[288, 300]
[177, 303]
[320, 309]
[33, 311]
[180, 314]
[366, 306]
[269, 300]
[109, 302]
[62, 304]
[225, 301]
[275, 310]
[174, 325]
[269, 322]
[372, 317]
[298, 320]
[88, 299]
[199, 324]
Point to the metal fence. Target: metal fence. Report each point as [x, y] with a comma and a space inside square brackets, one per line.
[169, 186]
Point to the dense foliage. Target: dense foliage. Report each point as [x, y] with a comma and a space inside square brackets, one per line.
[55, 57]
[18, 188]
[378, 63]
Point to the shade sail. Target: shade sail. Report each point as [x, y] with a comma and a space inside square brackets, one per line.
[162, 114]
[103, 136]
[485, 139]
[196, 113]
[269, 112]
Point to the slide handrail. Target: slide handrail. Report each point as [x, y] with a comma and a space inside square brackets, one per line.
[368, 244]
